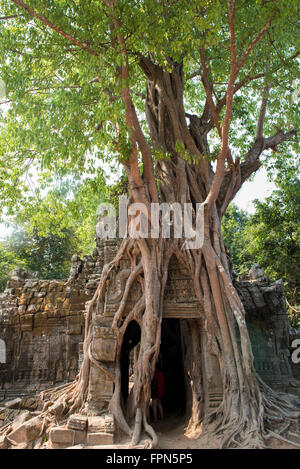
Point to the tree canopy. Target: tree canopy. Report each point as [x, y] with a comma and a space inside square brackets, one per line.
[61, 63]
[52, 226]
[186, 96]
[270, 236]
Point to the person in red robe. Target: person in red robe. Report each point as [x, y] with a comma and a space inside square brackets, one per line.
[157, 393]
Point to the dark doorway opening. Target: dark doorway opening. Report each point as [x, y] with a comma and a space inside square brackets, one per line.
[131, 339]
[171, 362]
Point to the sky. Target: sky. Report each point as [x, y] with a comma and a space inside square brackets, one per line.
[259, 188]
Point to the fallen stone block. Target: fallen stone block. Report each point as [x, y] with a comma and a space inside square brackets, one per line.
[61, 435]
[103, 424]
[80, 437]
[77, 422]
[94, 439]
[28, 431]
[14, 404]
[29, 403]
[57, 408]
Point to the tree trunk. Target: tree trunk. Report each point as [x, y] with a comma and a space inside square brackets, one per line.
[183, 178]
[240, 418]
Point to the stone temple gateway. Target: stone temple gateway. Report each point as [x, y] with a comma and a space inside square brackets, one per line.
[42, 327]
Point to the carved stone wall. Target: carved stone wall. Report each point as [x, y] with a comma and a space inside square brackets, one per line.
[42, 326]
[265, 315]
[268, 328]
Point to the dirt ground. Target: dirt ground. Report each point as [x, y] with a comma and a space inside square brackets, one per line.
[172, 435]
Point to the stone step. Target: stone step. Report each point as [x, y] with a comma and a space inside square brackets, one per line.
[10, 394]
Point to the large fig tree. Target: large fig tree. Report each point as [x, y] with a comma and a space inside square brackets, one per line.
[186, 96]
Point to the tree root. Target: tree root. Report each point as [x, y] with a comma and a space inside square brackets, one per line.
[250, 413]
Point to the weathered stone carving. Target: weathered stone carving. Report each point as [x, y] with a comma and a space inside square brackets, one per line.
[116, 286]
[42, 325]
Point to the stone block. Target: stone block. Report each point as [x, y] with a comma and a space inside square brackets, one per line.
[40, 294]
[22, 309]
[75, 309]
[60, 436]
[31, 284]
[80, 437]
[101, 424]
[14, 403]
[100, 386]
[104, 344]
[23, 300]
[57, 408]
[40, 318]
[95, 439]
[78, 422]
[74, 329]
[28, 431]
[26, 322]
[14, 283]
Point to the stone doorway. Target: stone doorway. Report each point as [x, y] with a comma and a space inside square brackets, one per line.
[131, 340]
[171, 362]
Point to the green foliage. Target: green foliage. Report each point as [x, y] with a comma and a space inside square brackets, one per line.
[8, 261]
[63, 103]
[270, 237]
[50, 255]
[274, 236]
[50, 228]
[233, 227]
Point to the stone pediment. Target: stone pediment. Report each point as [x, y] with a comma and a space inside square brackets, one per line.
[179, 300]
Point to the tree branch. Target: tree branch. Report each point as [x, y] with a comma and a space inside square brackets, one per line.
[262, 114]
[55, 28]
[253, 42]
[220, 169]
[251, 161]
[131, 116]
[3, 18]
[208, 88]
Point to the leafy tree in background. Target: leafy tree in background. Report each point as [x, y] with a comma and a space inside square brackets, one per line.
[50, 228]
[234, 229]
[163, 89]
[49, 255]
[271, 238]
[8, 261]
[274, 236]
